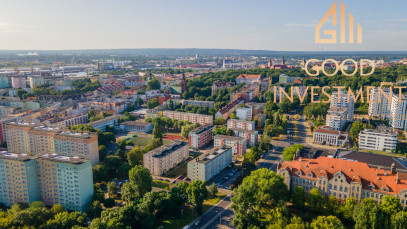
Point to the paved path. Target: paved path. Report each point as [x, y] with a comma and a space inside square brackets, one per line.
[218, 216]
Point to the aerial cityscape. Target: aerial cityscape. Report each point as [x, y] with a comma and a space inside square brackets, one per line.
[149, 115]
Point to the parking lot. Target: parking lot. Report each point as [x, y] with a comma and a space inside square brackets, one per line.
[225, 177]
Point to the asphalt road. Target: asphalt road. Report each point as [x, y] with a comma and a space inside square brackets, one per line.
[217, 217]
[271, 159]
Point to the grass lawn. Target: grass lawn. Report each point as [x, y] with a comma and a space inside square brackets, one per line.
[143, 141]
[180, 221]
[161, 184]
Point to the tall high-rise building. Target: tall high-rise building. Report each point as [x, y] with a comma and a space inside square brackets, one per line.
[18, 179]
[18, 82]
[398, 117]
[27, 138]
[51, 179]
[380, 109]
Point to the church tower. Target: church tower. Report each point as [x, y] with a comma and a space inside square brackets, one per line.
[183, 82]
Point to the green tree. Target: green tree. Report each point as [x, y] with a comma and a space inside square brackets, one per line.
[153, 84]
[197, 193]
[67, 220]
[157, 133]
[332, 205]
[390, 205]
[298, 197]
[366, 214]
[57, 208]
[102, 152]
[112, 189]
[315, 200]
[141, 179]
[128, 192]
[185, 130]
[153, 103]
[346, 209]
[219, 121]
[95, 209]
[288, 153]
[213, 190]
[326, 222]
[135, 157]
[98, 194]
[399, 220]
[262, 190]
[296, 223]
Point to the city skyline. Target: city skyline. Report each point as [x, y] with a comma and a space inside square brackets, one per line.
[259, 25]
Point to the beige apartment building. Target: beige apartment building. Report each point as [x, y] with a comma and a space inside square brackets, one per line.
[27, 138]
[189, 117]
[162, 159]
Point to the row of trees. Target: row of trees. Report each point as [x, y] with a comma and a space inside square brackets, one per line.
[261, 202]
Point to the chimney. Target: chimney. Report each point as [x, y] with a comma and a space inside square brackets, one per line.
[385, 172]
[393, 168]
[397, 178]
[299, 159]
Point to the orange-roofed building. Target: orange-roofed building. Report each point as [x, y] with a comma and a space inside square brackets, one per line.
[248, 79]
[344, 178]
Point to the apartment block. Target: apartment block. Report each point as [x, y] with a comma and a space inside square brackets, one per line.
[326, 135]
[341, 100]
[117, 107]
[336, 118]
[344, 178]
[103, 123]
[398, 117]
[27, 138]
[208, 104]
[221, 85]
[164, 158]
[137, 126]
[208, 165]
[189, 117]
[382, 138]
[2, 123]
[248, 79]
[244, 113]
[380, 109]
[251, 136]
[67, 121]
[65, 180]
[231, 107]
[18, 179]
[238, 144]
[241, 124]
[52, 179]
[200, 136]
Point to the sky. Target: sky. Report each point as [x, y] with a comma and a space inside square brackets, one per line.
[227, 24]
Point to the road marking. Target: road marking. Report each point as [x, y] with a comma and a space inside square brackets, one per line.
[226, 208]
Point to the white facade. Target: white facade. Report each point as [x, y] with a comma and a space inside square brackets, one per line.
[244, 113]
[380, 109]
[326, 135]
[251, 136]
[382, 138]
[241, 124]
[343, 102]
[398, 117]
[103, 123]
[336, 117]
[135, 126]
[208, 165]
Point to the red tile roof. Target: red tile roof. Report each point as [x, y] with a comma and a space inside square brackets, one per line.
[354, 172]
